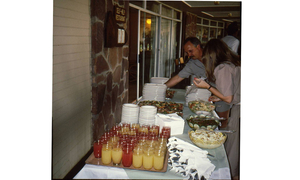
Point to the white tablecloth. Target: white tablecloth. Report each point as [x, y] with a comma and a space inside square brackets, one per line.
[90, 171]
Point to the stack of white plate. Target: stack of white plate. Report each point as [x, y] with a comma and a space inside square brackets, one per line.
[197, 94]
[154, 92]
[147, 114]
[130, 113]
[159, 80]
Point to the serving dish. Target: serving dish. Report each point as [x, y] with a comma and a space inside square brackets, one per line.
[164, 107]
[207, 139]
[200, 105]
[203, 121]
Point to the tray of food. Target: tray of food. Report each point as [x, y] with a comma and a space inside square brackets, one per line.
[200, 105]
[164, 107]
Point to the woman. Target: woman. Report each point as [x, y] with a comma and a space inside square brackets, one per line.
[223, 68]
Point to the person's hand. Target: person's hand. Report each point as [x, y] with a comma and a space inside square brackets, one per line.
[214, 99]
[200, 83]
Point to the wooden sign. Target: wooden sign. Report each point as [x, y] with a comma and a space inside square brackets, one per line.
[115, 36]
[120, 14]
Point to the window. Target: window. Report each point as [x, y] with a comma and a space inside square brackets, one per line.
[153, 6]
[155, 35]
[166, 11]
[209, 29]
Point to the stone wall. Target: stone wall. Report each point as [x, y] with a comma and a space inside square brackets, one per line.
[110, 75]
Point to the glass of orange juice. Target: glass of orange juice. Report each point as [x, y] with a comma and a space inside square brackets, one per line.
[158, 159]
[148, 157]
[106, 153]
[116, 154]
[135, 125]
[154, 129]
[144, 129]
[137, 157]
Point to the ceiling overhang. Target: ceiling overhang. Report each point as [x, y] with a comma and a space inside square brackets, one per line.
[220, 10]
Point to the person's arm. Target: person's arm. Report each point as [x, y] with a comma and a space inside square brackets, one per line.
[173, 81]
[202, 84]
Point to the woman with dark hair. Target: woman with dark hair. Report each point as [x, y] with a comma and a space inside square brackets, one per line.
[223, 71]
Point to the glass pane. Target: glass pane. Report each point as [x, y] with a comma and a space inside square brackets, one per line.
[199, 20]
[199, 33]
[164, 57]
[176, 15]
[220, 24]
[166, 11]
[174, 45]
[213, 23]
[220, 33]
[147, 48]
[153, 6]
[212, 33]
[133, 44]
[204, 35]
[205, 22]
[138, 3]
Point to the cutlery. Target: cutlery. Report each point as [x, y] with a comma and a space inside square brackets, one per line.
[226, 131]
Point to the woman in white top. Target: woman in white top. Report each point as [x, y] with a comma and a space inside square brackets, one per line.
[223, 68]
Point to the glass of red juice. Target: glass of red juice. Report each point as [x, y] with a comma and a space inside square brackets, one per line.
[127, 156]
[97, 149]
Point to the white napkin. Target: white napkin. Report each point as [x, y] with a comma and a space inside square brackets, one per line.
[221, 173]
[189, 160]
[101, 172]
[173, 120]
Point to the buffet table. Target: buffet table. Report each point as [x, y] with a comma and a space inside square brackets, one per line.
[218, 158]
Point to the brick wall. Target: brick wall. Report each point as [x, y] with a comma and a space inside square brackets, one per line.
[72, 135]
[110, 75]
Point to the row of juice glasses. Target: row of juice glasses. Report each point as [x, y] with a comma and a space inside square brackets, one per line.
[146, 147]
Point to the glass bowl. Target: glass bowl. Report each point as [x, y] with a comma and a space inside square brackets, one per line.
[207, 139]
[201, 105]
[203, 121]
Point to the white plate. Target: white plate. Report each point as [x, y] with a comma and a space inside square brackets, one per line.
[202, 112]
[130, 105]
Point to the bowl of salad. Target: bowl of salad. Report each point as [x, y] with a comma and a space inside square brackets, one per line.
[207, 139]
[200, 105]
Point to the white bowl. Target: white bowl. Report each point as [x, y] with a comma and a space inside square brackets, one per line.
[130, 105]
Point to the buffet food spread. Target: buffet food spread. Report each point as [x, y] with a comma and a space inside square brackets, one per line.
[144, 146]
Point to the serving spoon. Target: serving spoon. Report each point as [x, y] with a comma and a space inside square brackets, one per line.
[226, 131]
